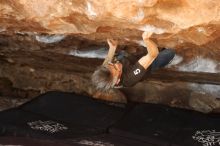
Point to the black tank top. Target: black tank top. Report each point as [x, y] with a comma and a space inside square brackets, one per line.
[132, 71]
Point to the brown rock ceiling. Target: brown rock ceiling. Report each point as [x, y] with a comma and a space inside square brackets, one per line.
[176, 24]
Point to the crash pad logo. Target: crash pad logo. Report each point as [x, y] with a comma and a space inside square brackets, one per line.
[49, 126]
[207, 137]
[94, 143]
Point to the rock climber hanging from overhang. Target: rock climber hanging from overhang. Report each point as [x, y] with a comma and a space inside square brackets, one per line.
[127, 70]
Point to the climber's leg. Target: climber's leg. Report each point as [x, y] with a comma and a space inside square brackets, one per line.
[163, 58]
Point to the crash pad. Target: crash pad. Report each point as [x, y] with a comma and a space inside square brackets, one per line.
[60, 115]
[163, 125]
[72, 119]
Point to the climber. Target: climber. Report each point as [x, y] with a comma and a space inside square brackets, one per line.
[125, 70]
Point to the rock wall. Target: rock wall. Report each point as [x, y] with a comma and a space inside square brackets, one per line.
[176, 24]
[37, 39]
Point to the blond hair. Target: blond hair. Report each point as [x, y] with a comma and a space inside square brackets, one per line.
[103, 79]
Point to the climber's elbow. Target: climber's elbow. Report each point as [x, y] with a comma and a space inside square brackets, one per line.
[153, 54]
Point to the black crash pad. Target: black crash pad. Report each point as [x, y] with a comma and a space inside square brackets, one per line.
[165, 126]
[27, 141]
[68, 114]
[16, 122]
[99, 140]
[109, 140]
[150, 123]
[72, 119]
[199, 130]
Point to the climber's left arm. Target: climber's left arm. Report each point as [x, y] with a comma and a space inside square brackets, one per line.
[112, 48]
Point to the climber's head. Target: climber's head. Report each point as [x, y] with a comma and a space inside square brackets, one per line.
[106, 77]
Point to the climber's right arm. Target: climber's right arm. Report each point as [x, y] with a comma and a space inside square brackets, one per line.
[152, 49]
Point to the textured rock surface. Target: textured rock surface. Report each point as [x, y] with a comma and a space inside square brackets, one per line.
[29, 67]
[176, 24]
[37, 39]
[192, 27]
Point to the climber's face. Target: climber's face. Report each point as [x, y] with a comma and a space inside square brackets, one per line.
[116, 71]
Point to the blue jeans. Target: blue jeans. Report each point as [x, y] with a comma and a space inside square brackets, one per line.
[164, 57]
